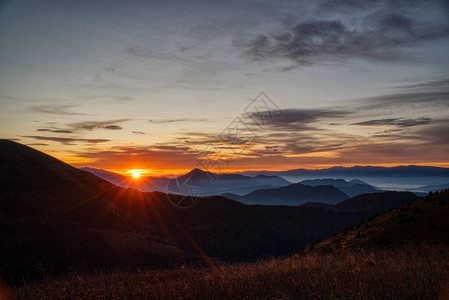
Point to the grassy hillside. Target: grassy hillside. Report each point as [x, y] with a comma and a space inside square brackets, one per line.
[426, 220]
[407, 273]
[403, 254]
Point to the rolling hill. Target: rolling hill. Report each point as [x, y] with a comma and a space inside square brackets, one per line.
[351, 188]
[369, 204]
[423, 221]
[293, 195]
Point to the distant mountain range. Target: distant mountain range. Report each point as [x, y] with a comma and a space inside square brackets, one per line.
[208, 183]
[259, 189]
[216, 184]
[328, 191]
[359, 171]
[293, 194]
[243, 183]
[431, 188]
[352, 188]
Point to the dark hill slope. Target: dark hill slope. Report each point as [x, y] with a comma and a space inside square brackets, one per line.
[376, 202]
[369, 204]
[426, 220]
[24, 169]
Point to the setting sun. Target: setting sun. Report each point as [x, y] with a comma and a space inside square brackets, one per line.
[135, 173]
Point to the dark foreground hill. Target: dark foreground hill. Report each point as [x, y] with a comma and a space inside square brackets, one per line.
[56, 219]
[423, 221]
[369, 204]
[401, 255]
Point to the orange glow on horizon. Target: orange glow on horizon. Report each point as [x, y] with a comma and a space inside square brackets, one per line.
[177, 172]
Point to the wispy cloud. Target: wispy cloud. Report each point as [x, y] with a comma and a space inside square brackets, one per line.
[66, 141]
[85, 126]
[112, 127]
[57, 109]
[416, 100]
[399, 122]
[179, 120]
[54, 130]
[91, 125]
[297, 119]
[431, 86]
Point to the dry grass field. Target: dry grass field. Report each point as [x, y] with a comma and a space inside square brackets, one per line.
[412, 272]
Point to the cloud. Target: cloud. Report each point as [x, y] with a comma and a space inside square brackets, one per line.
[435, 86]
[112, 127]
[138, 132]
[86, 125]
[382, 33]
[399, 122]
[66, 141]
[56, 109]
[436, 134]
[91, 125]
[162, 121]
[170, 148]
[54, 130]
[296, 119]
[408, 101]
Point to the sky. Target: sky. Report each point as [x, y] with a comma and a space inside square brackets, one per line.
[167, 86]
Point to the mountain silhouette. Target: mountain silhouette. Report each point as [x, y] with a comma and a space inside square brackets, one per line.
[293, 194]
[352, 188]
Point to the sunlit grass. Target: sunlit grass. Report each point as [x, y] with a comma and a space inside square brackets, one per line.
[407, 273]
